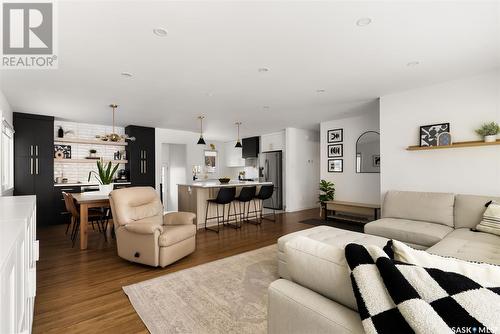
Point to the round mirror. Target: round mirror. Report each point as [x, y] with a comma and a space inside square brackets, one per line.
[368, 153]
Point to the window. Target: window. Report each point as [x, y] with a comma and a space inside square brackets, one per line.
[7, 157]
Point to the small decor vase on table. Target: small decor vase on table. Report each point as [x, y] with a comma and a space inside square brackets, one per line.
[105, 174]
[489, 132]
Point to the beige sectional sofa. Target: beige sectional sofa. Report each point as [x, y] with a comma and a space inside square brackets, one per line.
[314, 293]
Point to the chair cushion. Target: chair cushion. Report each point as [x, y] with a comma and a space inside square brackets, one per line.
[173, 234]
[423, 206]
[471, 246]
[135, 203]
[408, 231]
[469, 209]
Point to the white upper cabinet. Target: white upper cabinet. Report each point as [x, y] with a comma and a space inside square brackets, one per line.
[273, 142]
[233, 155]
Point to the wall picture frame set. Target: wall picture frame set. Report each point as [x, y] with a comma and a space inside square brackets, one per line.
[335, 138]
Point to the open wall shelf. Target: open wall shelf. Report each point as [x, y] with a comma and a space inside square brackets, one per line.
[89, 141]
[454, 145]
[88, 161]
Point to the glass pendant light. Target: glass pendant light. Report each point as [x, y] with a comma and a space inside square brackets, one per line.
[201, 141]
[238, 143]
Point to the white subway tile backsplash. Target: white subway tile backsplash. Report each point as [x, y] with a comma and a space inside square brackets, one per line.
[78, 172]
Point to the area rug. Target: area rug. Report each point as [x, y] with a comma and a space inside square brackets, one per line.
[224, 296]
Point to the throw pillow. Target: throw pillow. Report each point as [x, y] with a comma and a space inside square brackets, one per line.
[491, 219]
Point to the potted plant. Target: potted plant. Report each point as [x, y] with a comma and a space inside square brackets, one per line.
[326, 193]
[104, 175]
[489, 131]
[92, 153]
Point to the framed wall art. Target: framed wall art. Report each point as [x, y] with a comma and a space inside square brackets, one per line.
[335, 165]
[335, 135]
[335, 151]
[429, 134]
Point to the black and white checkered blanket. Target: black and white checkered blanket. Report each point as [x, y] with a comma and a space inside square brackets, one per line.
[395, 297]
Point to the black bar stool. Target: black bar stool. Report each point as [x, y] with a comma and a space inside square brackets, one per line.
[265, 192]
[247, 194]
[225, 196]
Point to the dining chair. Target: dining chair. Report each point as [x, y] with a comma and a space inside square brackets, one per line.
[96, 216]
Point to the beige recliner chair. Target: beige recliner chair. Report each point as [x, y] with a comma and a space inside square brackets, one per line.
[144, 234]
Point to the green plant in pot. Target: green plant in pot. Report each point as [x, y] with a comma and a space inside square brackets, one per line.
[105, 174]
[326, 193]
[489, 131]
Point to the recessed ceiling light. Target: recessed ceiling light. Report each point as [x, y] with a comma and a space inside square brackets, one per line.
[263, 69]
[127, 74]
[413, 63]
[320, 90]
[364, 21]
[161, 32]
[265, 107]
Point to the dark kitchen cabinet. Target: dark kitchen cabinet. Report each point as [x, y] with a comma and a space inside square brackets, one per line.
[250, 147]
[141, 156]
[34, 162]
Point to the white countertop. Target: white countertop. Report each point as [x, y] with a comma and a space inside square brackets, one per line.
[82, 184]
[217, 184]
[14, 210]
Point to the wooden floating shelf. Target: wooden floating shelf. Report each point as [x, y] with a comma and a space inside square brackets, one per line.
[454, 145]
[87, 161]
[90, 141]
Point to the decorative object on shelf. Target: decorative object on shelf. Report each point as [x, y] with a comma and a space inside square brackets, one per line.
[224, 180]
[62, 151]
[114, 137]
[117, 155]
[444, 139]
[335, 165]
[105, 174]
[201, 141]
[429, 133]
[376, 160]
[212, 147]
[69, 132]
[60, 132]
[238, 142]
[335, 135]
[211, 161]
[92, 154]
[335, 151]
[489, 132]
[196, 171]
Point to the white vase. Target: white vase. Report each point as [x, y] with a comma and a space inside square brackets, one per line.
[106, 188]
[490, 139]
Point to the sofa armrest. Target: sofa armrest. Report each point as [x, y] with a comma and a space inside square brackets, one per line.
[144, 227]
[321, 268]
[179, 218]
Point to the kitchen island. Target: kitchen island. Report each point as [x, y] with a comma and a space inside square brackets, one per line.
[193, 198]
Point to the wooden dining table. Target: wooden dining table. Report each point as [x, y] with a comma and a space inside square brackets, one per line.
[86, 201]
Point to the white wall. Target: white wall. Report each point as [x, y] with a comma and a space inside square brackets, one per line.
[301, 173]
[5, 112]
[194, 153]
[465, 104]
[349, 185]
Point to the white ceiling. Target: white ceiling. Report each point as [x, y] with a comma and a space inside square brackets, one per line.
[208, 64]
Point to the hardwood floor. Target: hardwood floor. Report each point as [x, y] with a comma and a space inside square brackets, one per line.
[81, 291]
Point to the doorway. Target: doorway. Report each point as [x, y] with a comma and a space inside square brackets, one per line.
[173, 172]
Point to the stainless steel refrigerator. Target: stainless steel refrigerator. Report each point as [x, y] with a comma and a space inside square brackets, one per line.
[271, 170]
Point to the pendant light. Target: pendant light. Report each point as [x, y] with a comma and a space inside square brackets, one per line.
[113, 136]
[201, 141]
[238, 143]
